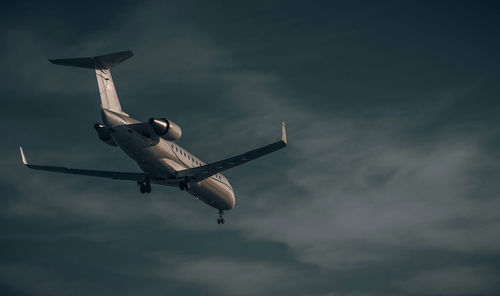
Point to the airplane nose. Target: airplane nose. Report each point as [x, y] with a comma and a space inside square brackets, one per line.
[232, 199]
[229, 200]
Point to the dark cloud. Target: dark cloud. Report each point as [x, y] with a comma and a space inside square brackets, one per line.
[388, 186]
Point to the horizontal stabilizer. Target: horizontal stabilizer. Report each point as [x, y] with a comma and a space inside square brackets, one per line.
[140, 177]
[101, 65]
[107, 61]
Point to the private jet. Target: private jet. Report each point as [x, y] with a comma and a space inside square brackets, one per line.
[152, 145]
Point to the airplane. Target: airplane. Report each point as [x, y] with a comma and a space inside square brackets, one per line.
[152, 145]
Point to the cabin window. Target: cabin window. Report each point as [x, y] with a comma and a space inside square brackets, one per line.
[189, 157]
[176, 149]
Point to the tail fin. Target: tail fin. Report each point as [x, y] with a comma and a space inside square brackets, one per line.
[102, 65]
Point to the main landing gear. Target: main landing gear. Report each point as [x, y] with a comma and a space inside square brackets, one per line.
[144, 186]
[185, 185]
[221, 218]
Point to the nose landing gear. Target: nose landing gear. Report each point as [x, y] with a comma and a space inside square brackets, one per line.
[221, 217]
[145, 186]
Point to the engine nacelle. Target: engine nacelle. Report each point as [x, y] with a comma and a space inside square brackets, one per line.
[103, 134]
[166, 129]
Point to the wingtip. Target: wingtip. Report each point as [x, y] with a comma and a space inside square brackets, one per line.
[23, 157]
[283, 132]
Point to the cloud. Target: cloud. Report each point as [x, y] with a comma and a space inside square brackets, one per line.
[377, 188]
[228, 276]
[113, 204]
[363, 189]
[38, 281]
[470, 280]
[358, 187]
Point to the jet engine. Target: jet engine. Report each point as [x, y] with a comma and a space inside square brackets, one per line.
[104, 135]
[166, 129]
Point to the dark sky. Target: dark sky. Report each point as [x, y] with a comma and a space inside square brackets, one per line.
[389, 185]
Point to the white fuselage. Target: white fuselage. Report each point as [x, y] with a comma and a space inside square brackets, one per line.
[161, 158]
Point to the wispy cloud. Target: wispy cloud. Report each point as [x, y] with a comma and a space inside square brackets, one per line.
[379, 190]
[362, 188]
[38, 281]
[471, 280]
[228, 276]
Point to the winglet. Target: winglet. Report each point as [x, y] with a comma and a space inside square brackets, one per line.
[283, 133]
[25, 162]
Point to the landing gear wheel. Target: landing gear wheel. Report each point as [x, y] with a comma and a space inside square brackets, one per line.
[144, 186]
[185, 185]
[221, 218]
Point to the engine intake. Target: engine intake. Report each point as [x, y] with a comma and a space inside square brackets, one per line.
[166, 129]
[104, 135]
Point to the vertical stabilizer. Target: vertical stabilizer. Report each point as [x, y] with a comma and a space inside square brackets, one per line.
[109, 98]
[102, 65]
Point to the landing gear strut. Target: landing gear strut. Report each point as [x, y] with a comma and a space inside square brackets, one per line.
[185, 185]
[144, 186]
[221, 217]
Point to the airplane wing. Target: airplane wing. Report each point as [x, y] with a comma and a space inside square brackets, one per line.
[198, 174]
[141, 177]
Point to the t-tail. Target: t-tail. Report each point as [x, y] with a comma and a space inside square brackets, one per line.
[102, 65]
